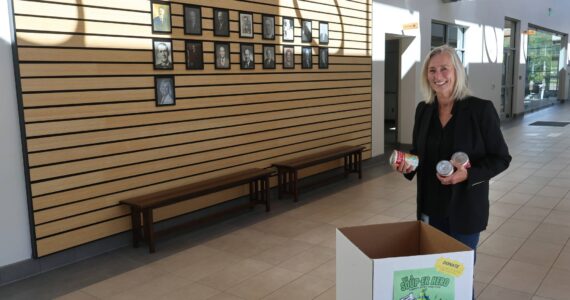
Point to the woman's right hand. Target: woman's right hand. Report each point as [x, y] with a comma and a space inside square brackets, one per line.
[402, 167]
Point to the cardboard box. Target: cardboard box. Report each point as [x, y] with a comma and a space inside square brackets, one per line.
[401, 261]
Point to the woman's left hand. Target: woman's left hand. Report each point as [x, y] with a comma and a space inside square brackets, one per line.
[458, 176]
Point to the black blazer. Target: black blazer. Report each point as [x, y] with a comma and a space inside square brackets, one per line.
[477, 133]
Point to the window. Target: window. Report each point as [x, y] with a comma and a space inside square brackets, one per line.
[450, 34]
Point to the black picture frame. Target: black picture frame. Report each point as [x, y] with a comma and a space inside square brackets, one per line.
[245, 24]
[323, 58]
[221, 22]
[288, 29]
[307, 57]
[288, 57]
[162, 54]
[194, 55]
[247, 56]
[323, 33]
[218, 62]
[192, 19]
[268, 27]
[164, 90]
[161, 17]
[306, 31]
[268, 56]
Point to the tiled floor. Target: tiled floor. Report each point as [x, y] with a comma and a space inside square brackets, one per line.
[290, 252]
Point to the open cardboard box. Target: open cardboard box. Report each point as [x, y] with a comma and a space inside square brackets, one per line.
[401, 261]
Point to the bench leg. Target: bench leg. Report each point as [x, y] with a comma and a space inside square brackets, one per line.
[148, 229]
[346, 170]
[266, 193]
[294, 186]
[136, 225]
[280, 183]
[359, 164]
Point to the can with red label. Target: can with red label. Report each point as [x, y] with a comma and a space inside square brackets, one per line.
[444, 168]
[398, 157]
[462, 159]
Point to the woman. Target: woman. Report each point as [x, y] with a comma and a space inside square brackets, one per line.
[451, 120]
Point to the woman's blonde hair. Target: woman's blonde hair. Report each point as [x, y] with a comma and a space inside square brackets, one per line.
[460, 89]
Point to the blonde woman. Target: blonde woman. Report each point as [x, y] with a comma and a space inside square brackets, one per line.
[448, 121]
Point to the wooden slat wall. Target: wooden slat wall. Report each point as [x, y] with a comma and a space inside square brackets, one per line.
[93, 132]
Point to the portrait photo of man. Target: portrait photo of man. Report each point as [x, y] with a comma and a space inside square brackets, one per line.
[307, 58]
[221, 22]
[268, 27]
[192, 20]
[161, 17]
[323, 58]
[268, 57]
[222, 55]
[245, 25]
[164, 90]
[194, 55]
[306, 31]
[323, 33]
[247, 56]
[162, 50]
[288, 57]
[288, 29]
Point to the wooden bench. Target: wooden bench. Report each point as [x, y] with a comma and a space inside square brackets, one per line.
[258, 180]
[287, 171]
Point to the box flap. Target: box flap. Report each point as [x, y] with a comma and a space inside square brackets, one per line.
[385, 240]
[433, 241]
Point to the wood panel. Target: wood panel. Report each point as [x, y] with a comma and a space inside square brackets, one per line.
[95, 135]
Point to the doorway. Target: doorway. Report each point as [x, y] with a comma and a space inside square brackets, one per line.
[508, 74]
[391, 88]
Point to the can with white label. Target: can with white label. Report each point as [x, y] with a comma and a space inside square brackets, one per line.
[398, 157]
[444, 168]
[461, 158]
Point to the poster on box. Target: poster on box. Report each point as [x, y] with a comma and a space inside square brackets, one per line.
[423, 284]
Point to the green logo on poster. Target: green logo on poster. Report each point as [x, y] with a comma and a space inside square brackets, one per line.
[423, 284]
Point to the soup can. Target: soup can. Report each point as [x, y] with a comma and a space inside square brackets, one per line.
[444, 168]
[461, 158]
[398, 157]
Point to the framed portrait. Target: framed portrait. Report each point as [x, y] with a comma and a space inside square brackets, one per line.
[307, 57]
[164, 90]
[161, 17]
[268, 28]
[306, 31]
[323, 58]
[194, 55]
[192, 19]
[247, 56]
[323, 33]
[221, 22]
[268, 56]
[288, 57]
[222, 55]
[245, 25]
[288, 29]
[162, 54]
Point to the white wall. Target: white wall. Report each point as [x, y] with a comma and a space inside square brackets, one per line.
[484, 43]
[14, 225]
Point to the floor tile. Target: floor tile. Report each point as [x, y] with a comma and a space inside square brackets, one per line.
[520, 276]
[264, 283]
[500, 245]
[555, 285]
[493, 292]
[305, 287]
[539, 253]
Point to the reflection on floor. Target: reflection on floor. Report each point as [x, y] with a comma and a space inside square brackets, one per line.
[290, 252]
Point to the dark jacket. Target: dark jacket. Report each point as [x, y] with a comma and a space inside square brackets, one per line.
[477, 133]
